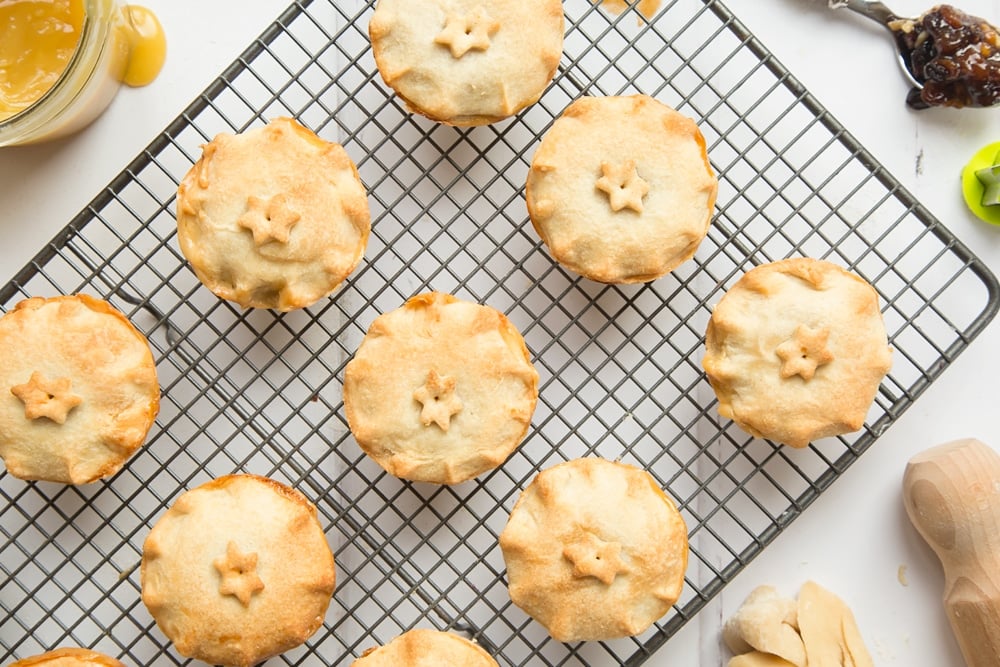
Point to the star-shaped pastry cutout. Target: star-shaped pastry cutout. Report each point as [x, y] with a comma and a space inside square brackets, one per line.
[439, 400]
[239, 574]
[804, 352]
[462, 33]
[46, 398]
[269, 219]
[593, 557]
[623, 185]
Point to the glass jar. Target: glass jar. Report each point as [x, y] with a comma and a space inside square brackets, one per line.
[87, 85]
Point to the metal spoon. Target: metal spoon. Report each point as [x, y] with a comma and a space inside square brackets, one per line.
[949, 57]
[878, 12]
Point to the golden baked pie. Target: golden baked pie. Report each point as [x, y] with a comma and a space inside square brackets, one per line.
[440, 390]
[620, 189]
[467, 62]
[594, 550]
[238, 570]
[796, 350]
[274, 217]
[78, 389]
[426, 648]
[69, 657]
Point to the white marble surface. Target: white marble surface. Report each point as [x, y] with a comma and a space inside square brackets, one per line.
[855, 538]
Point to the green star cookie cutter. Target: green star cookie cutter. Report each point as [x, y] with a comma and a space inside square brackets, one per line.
[981, 183]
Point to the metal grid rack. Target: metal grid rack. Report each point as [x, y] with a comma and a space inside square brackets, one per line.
[620, 365]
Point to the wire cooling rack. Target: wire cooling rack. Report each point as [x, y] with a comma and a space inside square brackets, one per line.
[620, 369]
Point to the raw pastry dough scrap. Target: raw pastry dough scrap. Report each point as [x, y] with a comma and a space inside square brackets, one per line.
[594, 550]
[796, 350]
[467, 62]
[766, 622]
[426, 648]
[829, 631]
[758, 659]
[818, 630]
[78, 389]
[440, 390]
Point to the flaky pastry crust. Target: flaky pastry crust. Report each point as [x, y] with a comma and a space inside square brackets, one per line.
[78, 389]
[796, 350]
[467, 62]
[69, 657]
[440, 390]
[621, 189]
[594, 550]
[426, 648]
[274, 217]
[238, 570]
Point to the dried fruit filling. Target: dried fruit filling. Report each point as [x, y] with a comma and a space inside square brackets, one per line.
[955, 56]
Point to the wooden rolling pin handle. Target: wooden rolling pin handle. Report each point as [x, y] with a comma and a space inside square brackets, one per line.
[952, 496]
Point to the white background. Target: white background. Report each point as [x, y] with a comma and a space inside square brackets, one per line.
[856, 537]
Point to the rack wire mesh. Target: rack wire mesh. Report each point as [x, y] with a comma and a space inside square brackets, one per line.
[257, 391]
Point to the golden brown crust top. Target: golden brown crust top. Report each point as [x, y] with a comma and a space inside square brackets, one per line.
[274, 217]
[440, 390]
[796, 350]
[621, 189]
[467, 62]
[78, 389]
[594, 550]
[426, 648]
[238, 570]
[69, 657]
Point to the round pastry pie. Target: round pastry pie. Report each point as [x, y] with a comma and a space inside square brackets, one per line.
[795, 351]
[594, 550]
[621, 189]
[426, 648]
[274, 217]
[78, 389]
[238, 570]
[440, 390]
[69, 657]
[467, 62]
